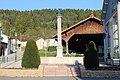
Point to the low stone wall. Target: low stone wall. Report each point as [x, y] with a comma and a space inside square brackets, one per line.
[21, 72]
[100, 74]
[61, 60]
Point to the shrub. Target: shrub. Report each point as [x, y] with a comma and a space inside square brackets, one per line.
[52, 48]
[42, 53]
[31, 58]
[91, 56]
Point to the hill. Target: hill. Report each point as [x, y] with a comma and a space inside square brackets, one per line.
[40, 23]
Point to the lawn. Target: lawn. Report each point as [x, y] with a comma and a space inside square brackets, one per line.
[44, 53]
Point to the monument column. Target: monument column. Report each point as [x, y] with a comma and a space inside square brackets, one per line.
[59, 37]
[67, 51]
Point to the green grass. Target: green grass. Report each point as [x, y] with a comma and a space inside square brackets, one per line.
[73, 55]
[44, 53]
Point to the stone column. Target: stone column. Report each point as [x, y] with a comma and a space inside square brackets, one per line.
[118, 17]
[59, 36]
[67, 51]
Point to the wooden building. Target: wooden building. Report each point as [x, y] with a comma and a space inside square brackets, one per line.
[76, 37]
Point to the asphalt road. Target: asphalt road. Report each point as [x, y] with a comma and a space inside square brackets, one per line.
[54, 78]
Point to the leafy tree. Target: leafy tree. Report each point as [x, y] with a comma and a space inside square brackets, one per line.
[31, 58]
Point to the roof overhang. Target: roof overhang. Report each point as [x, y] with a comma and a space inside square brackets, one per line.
[104, 9]
[79, 23]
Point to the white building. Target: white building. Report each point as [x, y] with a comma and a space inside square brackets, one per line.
[4, 43]
[40, 43]
[111, 21]
[52, 42]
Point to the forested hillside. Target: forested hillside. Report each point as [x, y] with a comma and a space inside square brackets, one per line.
[40, 23]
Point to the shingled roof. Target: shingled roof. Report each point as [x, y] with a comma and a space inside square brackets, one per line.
[71, 27]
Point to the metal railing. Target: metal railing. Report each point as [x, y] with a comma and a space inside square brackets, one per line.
[7, 60]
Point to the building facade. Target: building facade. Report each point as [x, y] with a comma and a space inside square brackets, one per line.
[111, 22]
[4, 45]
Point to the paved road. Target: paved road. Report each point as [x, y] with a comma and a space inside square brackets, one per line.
[54, 78]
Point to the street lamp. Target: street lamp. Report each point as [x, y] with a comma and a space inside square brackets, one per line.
[15, 47]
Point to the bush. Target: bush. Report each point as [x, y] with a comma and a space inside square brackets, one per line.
[31, 58]
[52, 48]
[42, 53]
[91, 56]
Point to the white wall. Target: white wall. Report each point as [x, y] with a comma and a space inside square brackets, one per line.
[52, 42]
[61, 60]
[5, 38]
[40, 43]
[23, 44]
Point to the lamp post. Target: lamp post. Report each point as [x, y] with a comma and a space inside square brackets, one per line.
[15, 47]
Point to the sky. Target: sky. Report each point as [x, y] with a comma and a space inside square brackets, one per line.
[50, 4]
